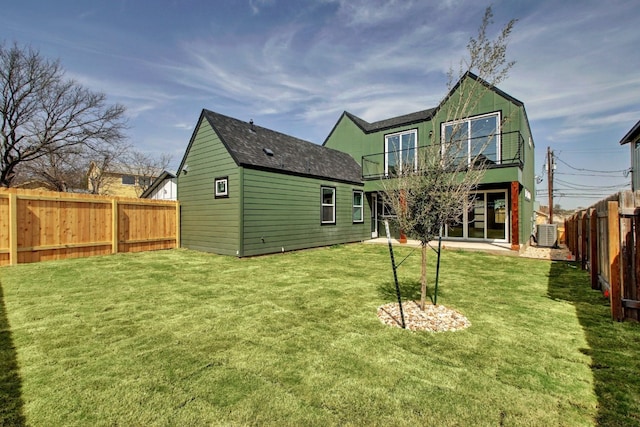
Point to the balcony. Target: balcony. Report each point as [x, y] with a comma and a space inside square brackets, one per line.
[497, 151]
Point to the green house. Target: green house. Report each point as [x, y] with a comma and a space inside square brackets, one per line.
[501, 208]
[246, 190]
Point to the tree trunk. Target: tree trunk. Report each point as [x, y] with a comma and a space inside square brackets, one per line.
[423, 278]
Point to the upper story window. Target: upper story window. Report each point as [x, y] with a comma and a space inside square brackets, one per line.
[400, 152]
[476, 139]
[221, 187]
[144, 181]
[128, 180]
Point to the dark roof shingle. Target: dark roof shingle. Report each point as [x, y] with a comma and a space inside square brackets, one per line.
[254, 146]
[633, 133]
[406, 119]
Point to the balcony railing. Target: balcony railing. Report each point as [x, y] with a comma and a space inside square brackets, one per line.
[496, 151]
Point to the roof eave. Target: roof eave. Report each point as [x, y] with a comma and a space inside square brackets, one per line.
[632, 135]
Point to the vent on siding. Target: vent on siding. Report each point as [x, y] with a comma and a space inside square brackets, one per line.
[547, 235]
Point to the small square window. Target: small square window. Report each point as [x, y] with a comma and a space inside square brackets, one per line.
[221, 187]
[128, 180]
[144, 181]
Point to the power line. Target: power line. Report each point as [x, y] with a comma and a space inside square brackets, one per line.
[586, 174]
[584, 186]
[589, 170]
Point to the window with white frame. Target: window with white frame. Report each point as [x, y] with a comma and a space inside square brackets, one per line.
[400, 152]
[221, 186]
[358, 206]
[473, 140]
[328, 205]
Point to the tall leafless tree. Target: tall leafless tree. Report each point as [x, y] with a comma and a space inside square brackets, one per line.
[434, 190]
[43, 114]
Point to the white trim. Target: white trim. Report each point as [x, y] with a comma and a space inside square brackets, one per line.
[224, 192]
[386, 148]
[468, 120]
[360, 206]
[465, 220]
[374, 215]
[323, 204]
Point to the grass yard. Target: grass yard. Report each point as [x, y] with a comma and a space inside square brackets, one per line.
[186, 338]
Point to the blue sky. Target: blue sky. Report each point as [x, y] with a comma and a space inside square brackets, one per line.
[295, 65]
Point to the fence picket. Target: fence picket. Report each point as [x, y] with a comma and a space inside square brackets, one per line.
[45, 225]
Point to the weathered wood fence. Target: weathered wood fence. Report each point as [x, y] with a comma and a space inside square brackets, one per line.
[38, 226]
[605, 239]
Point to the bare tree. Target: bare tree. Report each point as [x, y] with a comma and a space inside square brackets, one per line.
[433, 187]
[42, 114]
[146, 168]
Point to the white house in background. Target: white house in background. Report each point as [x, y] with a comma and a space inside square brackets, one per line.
[164, 187]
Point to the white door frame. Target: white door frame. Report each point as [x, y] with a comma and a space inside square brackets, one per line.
[374, 215]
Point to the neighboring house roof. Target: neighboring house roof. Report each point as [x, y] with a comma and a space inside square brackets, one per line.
[632, 135]
[123, 169]
[157, 183]
[257, 147]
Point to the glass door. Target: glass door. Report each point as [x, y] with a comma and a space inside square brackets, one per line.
[374, 215]
[476, 218]
[496, 216]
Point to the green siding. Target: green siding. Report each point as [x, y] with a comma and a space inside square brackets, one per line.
[209, 224]
[349, 138]
[283, 211]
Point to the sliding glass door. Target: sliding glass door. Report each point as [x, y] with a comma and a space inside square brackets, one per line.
[486, 218]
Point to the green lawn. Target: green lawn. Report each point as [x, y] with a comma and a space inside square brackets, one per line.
[186, 338]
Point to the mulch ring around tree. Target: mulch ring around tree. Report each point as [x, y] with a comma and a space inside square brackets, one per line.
[434, 318]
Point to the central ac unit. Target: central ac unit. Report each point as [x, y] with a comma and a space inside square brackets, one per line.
[547, 235]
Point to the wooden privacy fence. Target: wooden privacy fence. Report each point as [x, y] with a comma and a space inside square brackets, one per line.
[605, 239]
[38, 226]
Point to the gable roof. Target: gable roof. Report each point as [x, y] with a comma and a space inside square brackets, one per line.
[406, 119]
[632, 135]
[418, 116]
[156, 183]
[256, 147]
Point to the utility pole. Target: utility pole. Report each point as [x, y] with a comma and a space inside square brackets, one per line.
[550, 167]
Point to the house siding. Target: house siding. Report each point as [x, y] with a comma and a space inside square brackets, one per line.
[207, 223]
[283, 211]
[348, 137]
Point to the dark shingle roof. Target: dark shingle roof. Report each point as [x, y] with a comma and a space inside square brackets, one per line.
[633, 133]
[156, 183]
[418, 116]
[257, 147]
[406, 119]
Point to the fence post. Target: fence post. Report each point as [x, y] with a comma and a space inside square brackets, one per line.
[114, 226]
[593, 251]
[585, 234]
[13, 229]
[576, 236]
[178, 225]
[613, 221]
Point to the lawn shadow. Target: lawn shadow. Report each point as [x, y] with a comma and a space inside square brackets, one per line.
[409, 290]
[613, 348]
[11, 403]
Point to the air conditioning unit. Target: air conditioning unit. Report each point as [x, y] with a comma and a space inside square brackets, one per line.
[547, 235]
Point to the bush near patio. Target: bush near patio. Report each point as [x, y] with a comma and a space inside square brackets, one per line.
[185, 338]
